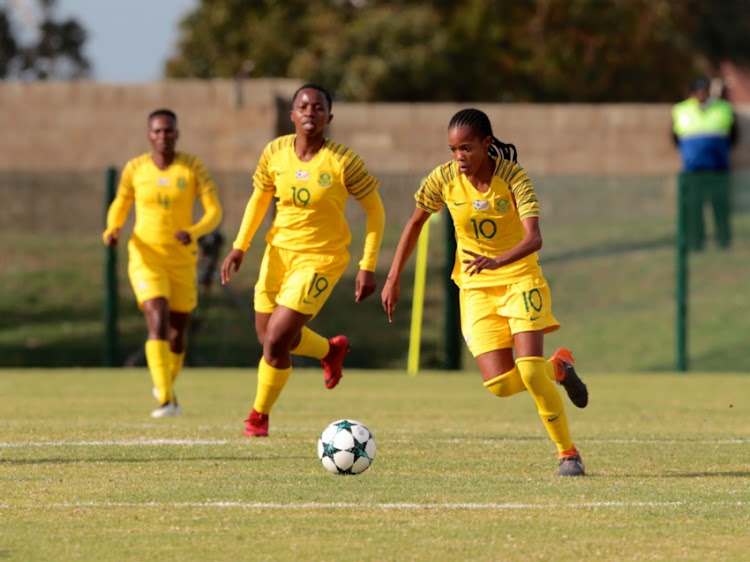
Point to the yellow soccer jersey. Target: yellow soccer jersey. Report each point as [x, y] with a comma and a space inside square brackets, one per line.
[486, 223]
[164, 201]
[312, 195]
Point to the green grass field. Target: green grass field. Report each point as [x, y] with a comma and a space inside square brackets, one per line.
[86, 474]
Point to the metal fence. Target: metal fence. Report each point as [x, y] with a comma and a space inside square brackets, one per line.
[608, 255]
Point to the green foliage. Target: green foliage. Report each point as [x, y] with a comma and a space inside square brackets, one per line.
[54, 52]
[480, 50]
[458, 475]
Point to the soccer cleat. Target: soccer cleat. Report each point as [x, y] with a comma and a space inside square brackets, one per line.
[167, 409]
[256, 425]
[571, 466]
[332, 363]
[566, 375]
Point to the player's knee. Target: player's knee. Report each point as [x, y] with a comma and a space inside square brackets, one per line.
[532, 371]
[506, 384]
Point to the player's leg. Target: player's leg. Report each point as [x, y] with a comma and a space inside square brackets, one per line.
[528, 307]
[151, 286]
[182, 301]
[178, 326]
[531, 365]
[282, 328]
[306, 289]
[489, 340]
[509, 381]
[156, 313]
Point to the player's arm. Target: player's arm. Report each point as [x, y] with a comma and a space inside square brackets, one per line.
[118, 210]
[254, 212]
[366, 284]
[406, 244]
[212, 213]
[208, 196]
[530, 243]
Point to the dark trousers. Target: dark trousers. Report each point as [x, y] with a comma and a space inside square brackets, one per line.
[701, 190]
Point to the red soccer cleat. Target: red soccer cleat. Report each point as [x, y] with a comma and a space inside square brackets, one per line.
[566, 375]
[332, 363]
[256, 425]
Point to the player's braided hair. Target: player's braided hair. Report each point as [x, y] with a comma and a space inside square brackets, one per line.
[480, 124]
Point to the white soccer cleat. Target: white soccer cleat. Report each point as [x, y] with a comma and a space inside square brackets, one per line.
[166, 410]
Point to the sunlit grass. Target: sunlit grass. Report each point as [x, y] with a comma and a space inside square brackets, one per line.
[87, 474]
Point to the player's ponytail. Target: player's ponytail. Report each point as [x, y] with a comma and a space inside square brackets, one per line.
[480, 124]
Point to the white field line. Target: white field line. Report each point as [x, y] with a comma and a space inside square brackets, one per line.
[369, 505]
[213, 442]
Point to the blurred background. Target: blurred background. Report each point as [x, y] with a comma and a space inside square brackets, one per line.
[583, 88]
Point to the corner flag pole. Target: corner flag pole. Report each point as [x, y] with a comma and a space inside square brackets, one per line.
[417, 305]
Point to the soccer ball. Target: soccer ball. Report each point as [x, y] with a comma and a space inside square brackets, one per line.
[346, 447]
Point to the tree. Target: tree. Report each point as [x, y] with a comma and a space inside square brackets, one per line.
[477, 50]
[56, 52]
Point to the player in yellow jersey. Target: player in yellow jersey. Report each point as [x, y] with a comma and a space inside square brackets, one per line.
[306, 247]
[505, 301]
[163, 251]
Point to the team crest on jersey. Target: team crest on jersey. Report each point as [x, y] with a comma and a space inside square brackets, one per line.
[181, 183]
[302, 175]
[481, 205]
[163, 181]
[503, 205]
[324, 180]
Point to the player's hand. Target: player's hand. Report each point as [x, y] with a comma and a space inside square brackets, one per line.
[478, 263]
[183, 236]
[364, 285]
[113, 238]
[231, 263]
[389, 296]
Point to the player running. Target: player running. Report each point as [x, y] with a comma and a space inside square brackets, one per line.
[505, 301]
[307, 245]
[163, 250]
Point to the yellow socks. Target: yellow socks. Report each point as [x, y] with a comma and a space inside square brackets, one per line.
[548, 401]
[158, 360]
[506, 384]
[175, 364]
[311, 344]
[549, 368]
[270, 384]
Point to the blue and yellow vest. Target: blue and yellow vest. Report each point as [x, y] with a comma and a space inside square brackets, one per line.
[703, 134]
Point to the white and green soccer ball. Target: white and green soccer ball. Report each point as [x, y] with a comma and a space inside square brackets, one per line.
[346, 447]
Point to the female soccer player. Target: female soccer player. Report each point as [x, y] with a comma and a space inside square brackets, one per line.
[163, 250]
[306, 252]
[505, 301]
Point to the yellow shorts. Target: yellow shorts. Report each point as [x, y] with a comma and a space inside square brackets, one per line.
[297, 280]
[153, 277]
[492, 315]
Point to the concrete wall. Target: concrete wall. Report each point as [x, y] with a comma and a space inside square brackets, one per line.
[54, 126]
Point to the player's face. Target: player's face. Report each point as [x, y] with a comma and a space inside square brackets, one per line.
[310, 112]
[468, 149]
[162, 134]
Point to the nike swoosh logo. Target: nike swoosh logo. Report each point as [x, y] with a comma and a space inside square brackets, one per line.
[457, 203]
[553, 419]
[305, 301]
[532, 318]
